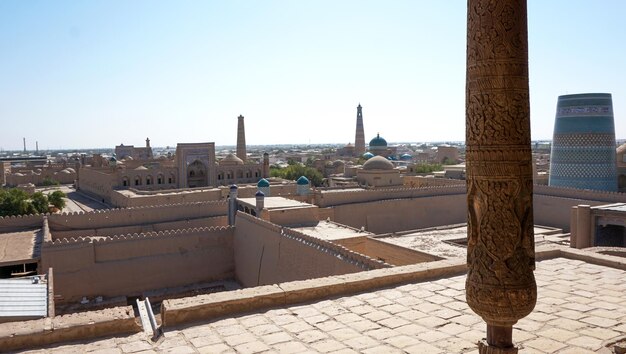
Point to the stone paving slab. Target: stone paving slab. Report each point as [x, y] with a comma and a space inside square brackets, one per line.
[430, 317]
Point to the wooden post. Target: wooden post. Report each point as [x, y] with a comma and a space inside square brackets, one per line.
[500, 284]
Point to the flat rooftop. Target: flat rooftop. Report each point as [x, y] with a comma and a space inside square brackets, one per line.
[435, 241]
[276, 203]
[19, 247]
[328, 230]
[448, 242]
[580, 306]
[130, 194]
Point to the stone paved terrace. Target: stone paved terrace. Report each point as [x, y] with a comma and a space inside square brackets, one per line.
[580, 306]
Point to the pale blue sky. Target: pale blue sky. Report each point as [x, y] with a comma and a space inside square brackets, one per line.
[78, 74]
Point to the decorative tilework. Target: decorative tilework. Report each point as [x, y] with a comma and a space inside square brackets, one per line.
[583, 147]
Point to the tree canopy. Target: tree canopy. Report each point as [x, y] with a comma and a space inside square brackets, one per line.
[427, 168]
[15, 202]
[293, 172]
[56, 199]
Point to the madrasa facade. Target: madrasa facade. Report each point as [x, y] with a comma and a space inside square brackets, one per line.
[194, 165]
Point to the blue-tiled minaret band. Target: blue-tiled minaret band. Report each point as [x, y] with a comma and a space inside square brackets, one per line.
[583, 145]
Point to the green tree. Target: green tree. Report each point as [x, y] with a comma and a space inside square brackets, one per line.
[49, 182]
[427, 168]
[293, 172]
[15, 202]
[448, 161]
[56, 199]
[40, 202]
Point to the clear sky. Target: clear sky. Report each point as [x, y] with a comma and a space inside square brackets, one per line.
[80, 74]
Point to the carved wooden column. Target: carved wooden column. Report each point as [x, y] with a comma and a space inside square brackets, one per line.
[500, 283]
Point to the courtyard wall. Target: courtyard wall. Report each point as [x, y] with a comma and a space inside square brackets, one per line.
[132, 264]
[266, 253]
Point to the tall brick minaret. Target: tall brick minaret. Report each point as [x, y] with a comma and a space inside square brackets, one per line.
[359, 140]
[241, 139]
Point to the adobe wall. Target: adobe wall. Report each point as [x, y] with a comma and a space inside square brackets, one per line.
[189, 195]
[5, 169]
[265, 254]
[276, 190]
[141, 228]
[552, 205]
[131, 264]
[135, 216]
[556, 211]
[20, 222]
[390, 210]
[294, 216]
[403, 214]
[409, 214]
[386, 252]
[38, 178]
[145, 198]
[330, 198]
[95, 182]
[421, 182]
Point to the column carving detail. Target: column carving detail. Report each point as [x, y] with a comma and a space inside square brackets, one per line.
[500, 284]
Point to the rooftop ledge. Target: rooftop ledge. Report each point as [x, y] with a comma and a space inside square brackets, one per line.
[120, 320]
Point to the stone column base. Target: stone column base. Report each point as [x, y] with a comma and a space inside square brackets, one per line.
[485, 348]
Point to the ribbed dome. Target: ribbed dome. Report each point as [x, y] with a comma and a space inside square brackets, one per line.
[378, 163]
[406, 157]
[378, 141]
[231, 159]
[302, 181]
[263, 183]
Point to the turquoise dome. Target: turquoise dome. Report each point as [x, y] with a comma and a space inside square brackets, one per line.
[406, 157]
[263, 183]
[302, 181]
[378, 141]
[368, 155]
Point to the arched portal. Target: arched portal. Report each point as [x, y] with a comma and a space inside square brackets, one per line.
[197, 174]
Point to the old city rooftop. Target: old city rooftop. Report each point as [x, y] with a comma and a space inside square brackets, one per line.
[580, 309]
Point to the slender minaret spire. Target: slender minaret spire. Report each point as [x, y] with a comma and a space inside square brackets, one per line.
[241, 139]
[36, 147]
[24, 140]
[359, 140]
[148, 148]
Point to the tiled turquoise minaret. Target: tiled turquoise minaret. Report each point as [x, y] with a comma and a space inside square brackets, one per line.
[583, 145]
